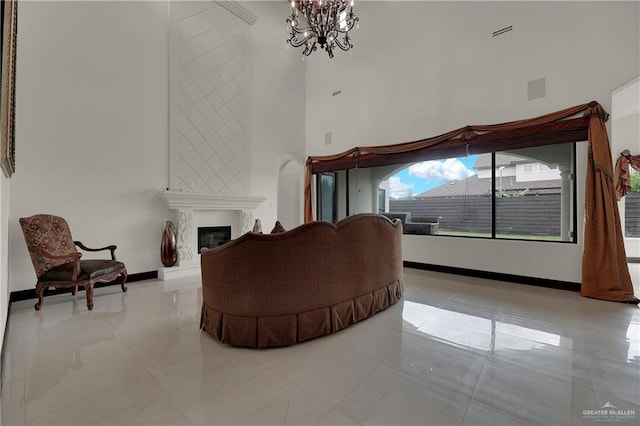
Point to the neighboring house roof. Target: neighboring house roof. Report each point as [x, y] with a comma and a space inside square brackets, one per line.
[474, 186]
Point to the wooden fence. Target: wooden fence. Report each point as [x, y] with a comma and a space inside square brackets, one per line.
[528, 215]
[632, 214]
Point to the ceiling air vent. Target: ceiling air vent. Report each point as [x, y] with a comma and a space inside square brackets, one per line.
[502, 31]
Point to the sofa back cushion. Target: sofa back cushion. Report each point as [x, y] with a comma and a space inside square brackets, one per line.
[315, 264]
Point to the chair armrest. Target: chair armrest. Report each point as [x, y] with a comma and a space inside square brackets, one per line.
[112, 248]
[73, 257]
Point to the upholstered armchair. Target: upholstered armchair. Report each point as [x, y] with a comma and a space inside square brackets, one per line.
[57, 261]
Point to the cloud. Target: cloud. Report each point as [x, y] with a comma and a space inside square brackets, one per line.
[399, 189]
[448, 170]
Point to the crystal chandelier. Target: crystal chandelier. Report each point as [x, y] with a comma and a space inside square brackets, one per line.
[328, 23]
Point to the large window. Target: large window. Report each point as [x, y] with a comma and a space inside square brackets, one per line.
[455, 192]
[526, 194]
[326, 202]
[632, 207]
[536, 205]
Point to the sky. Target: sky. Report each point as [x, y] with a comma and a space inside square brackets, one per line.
[427, 175]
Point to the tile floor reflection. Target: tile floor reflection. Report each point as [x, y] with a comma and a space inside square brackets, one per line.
[454, 351]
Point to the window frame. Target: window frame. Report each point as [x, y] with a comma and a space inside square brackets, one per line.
[382, 193]
[334, 197]
[494, 236]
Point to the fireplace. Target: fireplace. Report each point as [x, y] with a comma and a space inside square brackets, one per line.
[213, 236]
[237, 211]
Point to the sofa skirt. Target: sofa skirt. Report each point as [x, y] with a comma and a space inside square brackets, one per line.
[285, 330]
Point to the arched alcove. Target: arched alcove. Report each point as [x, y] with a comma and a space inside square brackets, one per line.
[289, 193]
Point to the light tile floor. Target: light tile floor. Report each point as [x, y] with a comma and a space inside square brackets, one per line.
[454, 351]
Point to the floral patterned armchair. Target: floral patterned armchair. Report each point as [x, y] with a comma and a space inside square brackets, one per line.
[57, 261]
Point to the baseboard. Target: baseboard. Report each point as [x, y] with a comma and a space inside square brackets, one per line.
[17, 296]
[140, 276]
[633, 259]
[498, 276]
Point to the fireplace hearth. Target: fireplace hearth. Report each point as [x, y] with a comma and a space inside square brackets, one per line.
[213, 236]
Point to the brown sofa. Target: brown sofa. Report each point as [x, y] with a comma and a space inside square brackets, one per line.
[263, 290]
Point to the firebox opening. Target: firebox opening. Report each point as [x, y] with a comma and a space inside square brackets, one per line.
[213, 236]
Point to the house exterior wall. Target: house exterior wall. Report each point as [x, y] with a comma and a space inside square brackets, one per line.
[441, 69]
[506, 172]
[536, 173]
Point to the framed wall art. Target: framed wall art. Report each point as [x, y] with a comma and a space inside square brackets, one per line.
[9, 20]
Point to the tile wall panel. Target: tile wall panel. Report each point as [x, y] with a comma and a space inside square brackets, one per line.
[209, 143]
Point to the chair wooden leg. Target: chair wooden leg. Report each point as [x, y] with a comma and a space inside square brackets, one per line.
[124, 279]
[40, 295]
[88, 288]
[74, 290]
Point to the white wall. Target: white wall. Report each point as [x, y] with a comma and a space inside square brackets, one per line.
[625, 134]
[92, 127]
[290, 189]
[5, 291]
[92, 123]
[277, 106]
[419, 69]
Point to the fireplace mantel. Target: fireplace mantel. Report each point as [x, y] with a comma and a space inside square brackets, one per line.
[195, 201]
[185, 203]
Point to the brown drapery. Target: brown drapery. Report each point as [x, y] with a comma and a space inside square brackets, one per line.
[605, 274]
[622, 177]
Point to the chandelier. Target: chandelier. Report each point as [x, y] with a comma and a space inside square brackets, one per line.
[323, 22]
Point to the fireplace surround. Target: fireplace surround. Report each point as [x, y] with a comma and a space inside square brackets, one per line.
[187, 206]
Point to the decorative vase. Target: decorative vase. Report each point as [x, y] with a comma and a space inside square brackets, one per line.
[168, 250]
